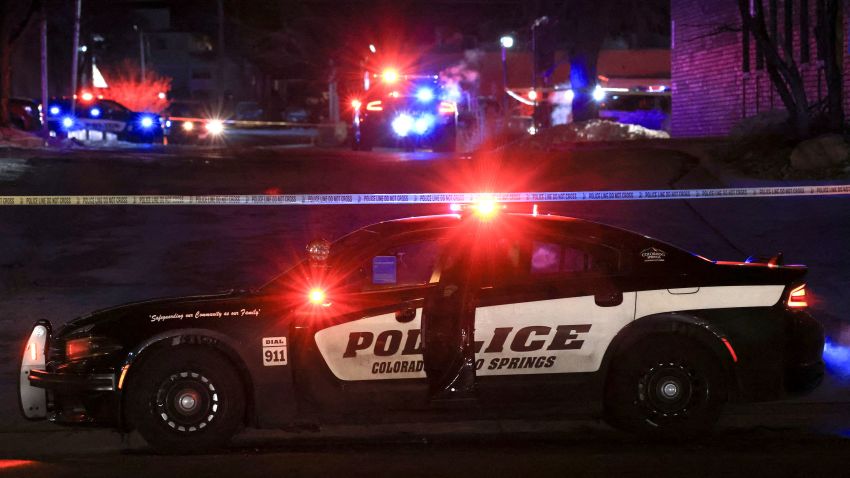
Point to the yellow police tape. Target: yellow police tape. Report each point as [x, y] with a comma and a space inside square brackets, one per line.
[419, 198]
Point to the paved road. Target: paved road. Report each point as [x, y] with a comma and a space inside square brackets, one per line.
[62, 262]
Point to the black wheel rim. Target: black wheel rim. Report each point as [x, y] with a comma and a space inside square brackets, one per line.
[671, 391]
[187, 402]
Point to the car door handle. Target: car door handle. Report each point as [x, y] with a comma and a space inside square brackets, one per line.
[608, 299]
[405, 315]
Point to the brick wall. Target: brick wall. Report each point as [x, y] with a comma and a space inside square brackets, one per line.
[711, 92]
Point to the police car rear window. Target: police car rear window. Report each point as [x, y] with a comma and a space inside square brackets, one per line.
[572, 258]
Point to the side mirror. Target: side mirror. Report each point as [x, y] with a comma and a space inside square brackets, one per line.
[384, 270]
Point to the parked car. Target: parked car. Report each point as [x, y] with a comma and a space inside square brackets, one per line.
[471, 315]
[104, 115]
[25, 114]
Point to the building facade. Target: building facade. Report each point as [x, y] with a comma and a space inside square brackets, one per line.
[718, 73]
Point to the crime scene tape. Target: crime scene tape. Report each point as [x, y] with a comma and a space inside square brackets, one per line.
[249, 123]
[421, 198]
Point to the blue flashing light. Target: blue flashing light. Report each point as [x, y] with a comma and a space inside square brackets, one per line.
[146, 122]
[55, 110]
[402, 124]
[67, 122]
[423, 124]
[425, 94]
[95, 112]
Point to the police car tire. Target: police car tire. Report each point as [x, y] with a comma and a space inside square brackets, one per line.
[636, 399]
[203, 367]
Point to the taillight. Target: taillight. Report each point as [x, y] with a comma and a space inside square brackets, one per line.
[447, 107]
[374, 106]
[797, 297]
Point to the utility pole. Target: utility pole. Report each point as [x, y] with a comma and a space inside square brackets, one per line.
[76, 56]
[43, 33]
[221, 75]
[142, 53]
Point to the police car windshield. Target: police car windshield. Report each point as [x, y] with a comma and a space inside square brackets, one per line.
[344, 247]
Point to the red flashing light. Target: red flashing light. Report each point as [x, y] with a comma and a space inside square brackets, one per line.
[317, 296]
[374, 106]
[86, 96]
[389, 75]
[532, 95]
[356, 104]
[797, 297]
[447, 107]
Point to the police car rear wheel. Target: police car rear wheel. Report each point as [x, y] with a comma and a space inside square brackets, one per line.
[185, 400]
[667, 387]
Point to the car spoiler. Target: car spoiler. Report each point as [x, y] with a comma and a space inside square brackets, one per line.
[776, 260]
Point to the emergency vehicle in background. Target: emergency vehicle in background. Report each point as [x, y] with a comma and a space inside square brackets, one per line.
[191, 122]
[94, 113]
[404, 110]
[555, 312]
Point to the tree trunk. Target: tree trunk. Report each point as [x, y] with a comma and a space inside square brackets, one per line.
[784, 73]
[5, 66]
[829, 40]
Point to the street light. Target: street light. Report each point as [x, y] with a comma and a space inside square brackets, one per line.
[506, 41]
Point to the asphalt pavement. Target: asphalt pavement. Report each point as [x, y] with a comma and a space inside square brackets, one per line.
[61, 262]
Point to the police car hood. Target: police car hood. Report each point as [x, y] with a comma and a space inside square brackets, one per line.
[140, 307]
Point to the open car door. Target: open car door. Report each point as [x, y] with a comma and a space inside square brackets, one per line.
[448, 323]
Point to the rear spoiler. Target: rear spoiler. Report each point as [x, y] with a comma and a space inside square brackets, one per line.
[775, 260]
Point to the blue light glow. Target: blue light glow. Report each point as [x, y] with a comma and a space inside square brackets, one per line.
[95, 112]
[67, 122]
[423, 124]
[425, 95]
[55, 110]
[146, 122]
[402, 124]
[837, 358]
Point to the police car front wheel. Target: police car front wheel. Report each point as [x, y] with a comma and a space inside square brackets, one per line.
[187, 399]
[666, 387]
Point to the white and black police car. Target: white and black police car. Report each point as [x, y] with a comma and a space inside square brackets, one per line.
[104, 115]
[446, 317]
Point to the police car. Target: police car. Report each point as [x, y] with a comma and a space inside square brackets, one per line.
[441, 317]
[407, 111]
[108, 116]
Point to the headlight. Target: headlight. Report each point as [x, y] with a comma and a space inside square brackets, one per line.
[215, 127]
[88, 347]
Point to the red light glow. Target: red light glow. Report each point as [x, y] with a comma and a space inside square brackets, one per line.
[317, 296]
[797, 298]
[7, 464]
[86, 96]
[356, 104]
[389, 75]
[730, 349]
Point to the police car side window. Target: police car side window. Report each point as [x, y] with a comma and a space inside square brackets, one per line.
[402, 265]
[573, 258]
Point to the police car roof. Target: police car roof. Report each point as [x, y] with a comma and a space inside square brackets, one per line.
[419, 223]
